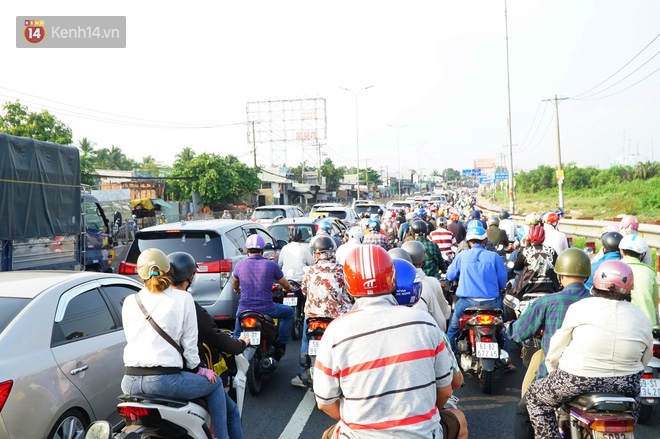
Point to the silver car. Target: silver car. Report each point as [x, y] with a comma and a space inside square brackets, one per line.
[62, 343]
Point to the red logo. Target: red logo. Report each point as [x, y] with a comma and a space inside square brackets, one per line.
[34, 31]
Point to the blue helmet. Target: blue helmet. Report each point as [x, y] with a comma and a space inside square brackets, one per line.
[473, 223]
[421, 213]
[325, 226]
[408, 283]
[476, 233]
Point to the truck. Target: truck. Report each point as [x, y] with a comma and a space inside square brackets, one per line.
[48, 220]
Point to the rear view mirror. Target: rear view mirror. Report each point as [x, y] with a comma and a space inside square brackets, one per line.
[99, 430]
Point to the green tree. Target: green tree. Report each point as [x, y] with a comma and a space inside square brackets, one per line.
[217, 179]
[298, 171]
[333, 175]
[149, 164]
[18, 121]
[86, 147]
[451, 174]
[186, 154]
[367, 175]
[88, 173]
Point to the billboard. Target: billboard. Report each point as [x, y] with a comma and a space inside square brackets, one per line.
[484, 164]
[293, 120]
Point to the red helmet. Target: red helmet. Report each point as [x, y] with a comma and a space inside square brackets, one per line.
[369, 271]
[453, 217]
[614, 276]
[628, 225]
[536, 234]
[551, 218]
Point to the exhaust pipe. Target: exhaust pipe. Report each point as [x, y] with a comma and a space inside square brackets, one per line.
[268, 363]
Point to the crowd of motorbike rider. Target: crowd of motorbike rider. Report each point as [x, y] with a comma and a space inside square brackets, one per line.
[383, 280]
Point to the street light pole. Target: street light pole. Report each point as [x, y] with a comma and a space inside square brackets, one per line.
[398, 152]
[357, 135]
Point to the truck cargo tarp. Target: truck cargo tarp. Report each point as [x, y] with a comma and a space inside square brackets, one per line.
[39, 189]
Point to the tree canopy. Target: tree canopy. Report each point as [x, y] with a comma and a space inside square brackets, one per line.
[19, 121]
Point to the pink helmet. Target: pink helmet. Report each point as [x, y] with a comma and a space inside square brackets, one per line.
[614, 276]
[629, 225]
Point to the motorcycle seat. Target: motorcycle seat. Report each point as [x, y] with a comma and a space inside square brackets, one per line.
[590, 402]
[482, 309]
[162, 400]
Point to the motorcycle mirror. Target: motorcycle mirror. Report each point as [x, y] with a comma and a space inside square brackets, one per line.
[510, 264]
[99, 430]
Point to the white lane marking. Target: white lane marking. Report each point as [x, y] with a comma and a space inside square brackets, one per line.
[300, 417]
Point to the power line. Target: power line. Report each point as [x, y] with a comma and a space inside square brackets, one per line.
[622, 90]
[624, 66]
[524, 147]
[532, 124]
[543, 136]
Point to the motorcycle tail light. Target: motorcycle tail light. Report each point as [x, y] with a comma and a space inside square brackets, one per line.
[647, 376]
[486, 340]
[485, 319]
[134, 413]
[656, 350]
[318, 325]
[465, 319]
[5, 388]
[249, 322]
[127, 268]
[274, 287]
[613, 425]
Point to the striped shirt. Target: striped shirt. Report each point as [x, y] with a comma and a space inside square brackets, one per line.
[444, 238]
[383, 363]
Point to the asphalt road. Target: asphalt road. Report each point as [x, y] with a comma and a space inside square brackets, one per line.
[287, 412]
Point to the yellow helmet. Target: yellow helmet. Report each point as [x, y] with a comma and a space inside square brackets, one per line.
[150, 262]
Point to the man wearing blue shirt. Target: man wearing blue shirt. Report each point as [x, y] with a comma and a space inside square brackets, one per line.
[482, 276]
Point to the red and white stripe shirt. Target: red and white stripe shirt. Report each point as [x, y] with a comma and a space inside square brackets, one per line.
[384, 363]
[444, 238]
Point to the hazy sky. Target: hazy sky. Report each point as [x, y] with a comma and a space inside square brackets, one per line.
[438, 66]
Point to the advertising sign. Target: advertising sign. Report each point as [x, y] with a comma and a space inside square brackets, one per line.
[484, 163]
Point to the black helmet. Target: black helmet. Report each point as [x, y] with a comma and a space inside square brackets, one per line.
[183, 265]
[295, 235]
[611, 241]
[399, 253]
[323, 244]
[429, 228]
[374, 226]
[418, 227]
[380, 212]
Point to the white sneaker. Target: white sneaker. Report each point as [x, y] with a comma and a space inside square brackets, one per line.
[297, 381]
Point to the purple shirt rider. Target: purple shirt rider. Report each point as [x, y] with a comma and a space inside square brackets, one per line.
[257, 275]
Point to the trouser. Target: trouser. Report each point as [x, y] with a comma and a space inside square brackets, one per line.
[284, 313]
[559, 387]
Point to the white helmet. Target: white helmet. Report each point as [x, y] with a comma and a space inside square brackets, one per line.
[356, 233]
[410, 216]
[634, 243]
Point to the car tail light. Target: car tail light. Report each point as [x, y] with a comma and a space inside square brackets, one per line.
[656, 350]
[127, 268]
[254, 220]
[5, 388]
[222, 266]
[316, 227]
[133, 412]
[172, 231]
[485, 319]
[318, 325]
[249, 322]
[613, 425]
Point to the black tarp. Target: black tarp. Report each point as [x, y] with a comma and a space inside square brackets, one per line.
[39, 189]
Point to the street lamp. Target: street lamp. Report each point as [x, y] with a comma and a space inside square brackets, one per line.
[357, 136]
[398, 153]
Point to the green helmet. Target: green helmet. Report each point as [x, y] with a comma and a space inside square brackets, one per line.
[504, 214]
[573, 262]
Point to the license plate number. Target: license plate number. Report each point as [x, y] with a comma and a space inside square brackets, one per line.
[650, 388]
[313, 347]
[290, 301]
[600, 435]
[254, 336]
[488, 350]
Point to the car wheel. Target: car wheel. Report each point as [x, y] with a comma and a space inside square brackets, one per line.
[71, 425]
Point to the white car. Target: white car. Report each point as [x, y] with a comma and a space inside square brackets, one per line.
[266, 215]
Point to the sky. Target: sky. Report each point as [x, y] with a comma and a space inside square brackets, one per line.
[437, 67]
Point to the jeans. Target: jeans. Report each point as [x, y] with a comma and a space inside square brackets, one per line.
[453, 331]
[186, 385]
[282, 312]
[304, 345]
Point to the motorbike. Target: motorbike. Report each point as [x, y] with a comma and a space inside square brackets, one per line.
[449, 289]
[650, 390]
[262, 355]
[514, 308]
[480, 344]
[598, 416]
[151, 416]
[295, 299]
[316, 327]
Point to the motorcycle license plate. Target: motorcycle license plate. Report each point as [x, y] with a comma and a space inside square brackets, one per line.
[313, 347]
[600, 435]
[650, 388]
[488, 350]
[290, 301]
[254, 336]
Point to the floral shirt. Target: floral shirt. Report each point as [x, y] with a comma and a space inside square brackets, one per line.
[323, 284]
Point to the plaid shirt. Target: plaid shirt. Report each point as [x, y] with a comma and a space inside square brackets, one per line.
[376, 238]
[546, 314]
[434, 261]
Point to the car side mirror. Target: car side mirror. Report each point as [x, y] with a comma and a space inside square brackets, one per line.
[268, 246]
[99, 430]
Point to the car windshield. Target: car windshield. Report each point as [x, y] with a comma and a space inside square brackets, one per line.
[203, 246]
[341, 214]
[268, 213]
[9, 308]
[320, 207]
[400, 205]
[281, 232]
[371, 209]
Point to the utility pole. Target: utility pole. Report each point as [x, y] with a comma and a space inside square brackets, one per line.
[254, 146]
[366, 174]
[560, 171]
[508, 120]
[318, 150]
